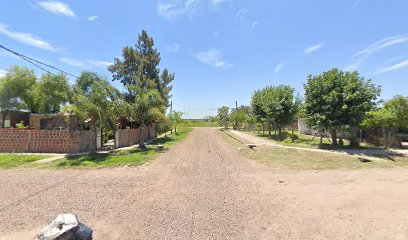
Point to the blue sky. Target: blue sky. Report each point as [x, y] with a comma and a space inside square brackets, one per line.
[220, 50]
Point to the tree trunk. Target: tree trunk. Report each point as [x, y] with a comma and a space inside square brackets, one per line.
[142, 126]
[175, 128]
[333, 134]
[321, 139]
[385, 135]
[92, 144]
[361, 135]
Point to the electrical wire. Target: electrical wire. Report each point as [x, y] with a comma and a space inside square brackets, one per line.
[34, 62]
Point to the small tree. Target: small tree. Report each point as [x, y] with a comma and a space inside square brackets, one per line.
[175, 119]
[277, 105]
[237, 117]
[258, 111]
[120, 111]
[147, 109]
[92, 102]
[8, 100]
[16, 90]
[392, 116]
[51, 92]
[223, 116]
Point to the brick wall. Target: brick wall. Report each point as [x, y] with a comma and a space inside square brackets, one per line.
[129, 137]
[54, 141]
[44, 141]
[14, 140]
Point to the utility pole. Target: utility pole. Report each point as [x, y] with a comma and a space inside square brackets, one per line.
[171, 106]
[236, 105]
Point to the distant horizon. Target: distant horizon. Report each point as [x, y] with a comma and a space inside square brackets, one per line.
[220, 50]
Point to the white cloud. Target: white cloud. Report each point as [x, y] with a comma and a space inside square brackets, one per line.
[216, 2]
[356, 3]
[362, 56]
[86, 64]
[2, 72]
[92, 18]
[353, 66]
[313, 48]
[212, 57]
[240, 15]
[255, 23]
[172, 12]
[26, 38]
[73, 62]
[100, 64]
[383, 43]
[173, 48]
[279, 67]
[57, 7]
[397, 66]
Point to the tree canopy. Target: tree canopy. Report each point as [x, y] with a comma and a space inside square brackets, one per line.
[22, 90]
[337, 100]
[277, 105]
[394, 114]
[223, 116]
[138, 66]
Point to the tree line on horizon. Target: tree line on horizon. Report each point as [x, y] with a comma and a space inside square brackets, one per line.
[334, 101]
[92, 98]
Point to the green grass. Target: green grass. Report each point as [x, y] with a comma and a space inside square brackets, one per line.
[13, 160]
[305, 141]
[132, 157]
[198, 123]
[303, 160]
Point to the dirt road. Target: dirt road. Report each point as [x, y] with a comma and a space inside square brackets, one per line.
[203, 189]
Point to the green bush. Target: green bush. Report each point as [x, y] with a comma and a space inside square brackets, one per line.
[21, 125]
[288, 140]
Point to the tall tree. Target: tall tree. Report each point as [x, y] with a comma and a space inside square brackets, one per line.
[337, 100]
[139, 66]
[164, 86]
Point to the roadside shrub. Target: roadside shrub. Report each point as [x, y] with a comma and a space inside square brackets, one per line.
[21, 125]
[288, 140]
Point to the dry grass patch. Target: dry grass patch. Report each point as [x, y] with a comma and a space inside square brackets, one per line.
[305, 159]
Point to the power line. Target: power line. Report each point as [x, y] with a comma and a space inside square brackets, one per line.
[32, 60]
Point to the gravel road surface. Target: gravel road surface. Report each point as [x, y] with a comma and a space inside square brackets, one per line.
[203, 189]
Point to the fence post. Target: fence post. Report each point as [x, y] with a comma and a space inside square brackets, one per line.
[117, 138]
[29, 140]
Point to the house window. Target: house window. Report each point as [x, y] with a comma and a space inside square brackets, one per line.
[7, 123]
